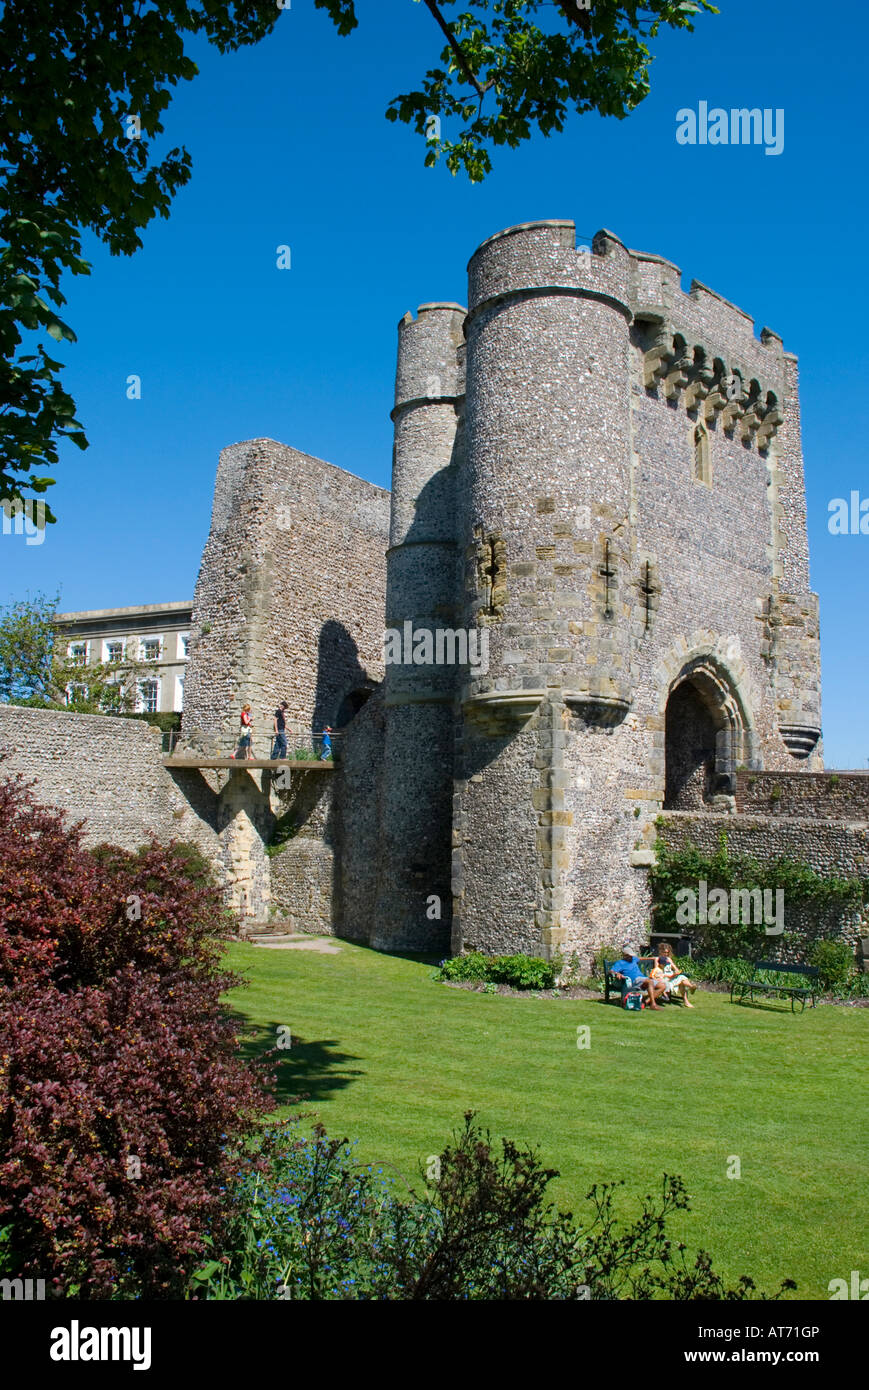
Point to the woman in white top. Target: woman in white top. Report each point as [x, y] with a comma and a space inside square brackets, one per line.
[677, 983]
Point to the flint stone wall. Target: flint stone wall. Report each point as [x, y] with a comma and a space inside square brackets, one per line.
[829, 796]
[290, 598]
[302, 872]
[109, 773]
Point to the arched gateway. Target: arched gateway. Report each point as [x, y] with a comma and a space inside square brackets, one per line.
[708, 732]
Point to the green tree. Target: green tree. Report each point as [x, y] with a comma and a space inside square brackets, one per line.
[36, 669]
[27, 636]
[510, 66]
[82, 93]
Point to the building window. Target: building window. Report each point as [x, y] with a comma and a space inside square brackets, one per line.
[110, 701]
[179, 693]
[184, 644]
[78, 652]
[702, 465]
[76, 694]
[149, 696]
[114, 652]
[150, 648]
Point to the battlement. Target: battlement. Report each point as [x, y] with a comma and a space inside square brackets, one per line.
[708, 337]
[431, 355]
[697, 343]
[434, 307]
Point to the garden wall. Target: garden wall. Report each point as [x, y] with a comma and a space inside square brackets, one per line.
[109, 773]
[834, 850]
[831, 796]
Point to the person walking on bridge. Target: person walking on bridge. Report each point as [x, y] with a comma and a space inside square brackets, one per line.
[279, 724]
[245, 734]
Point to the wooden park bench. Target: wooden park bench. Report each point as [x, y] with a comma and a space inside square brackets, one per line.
[742, 988]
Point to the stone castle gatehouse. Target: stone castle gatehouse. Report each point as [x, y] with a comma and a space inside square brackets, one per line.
[602, 476]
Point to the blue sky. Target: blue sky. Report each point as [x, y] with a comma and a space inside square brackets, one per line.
[290, 146]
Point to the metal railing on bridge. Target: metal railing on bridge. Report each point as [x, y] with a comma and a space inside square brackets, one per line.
[300, 747]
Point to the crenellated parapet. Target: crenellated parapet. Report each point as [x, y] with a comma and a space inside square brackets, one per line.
[700, 353]
[717, 388]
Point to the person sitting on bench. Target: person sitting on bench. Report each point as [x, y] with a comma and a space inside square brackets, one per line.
[628, 971]
[676, 982]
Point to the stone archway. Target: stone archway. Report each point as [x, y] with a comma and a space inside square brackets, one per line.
[351, 704]
[708, 728]
[690, 734]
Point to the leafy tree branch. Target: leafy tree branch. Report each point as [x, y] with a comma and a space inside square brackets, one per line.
[513, 66]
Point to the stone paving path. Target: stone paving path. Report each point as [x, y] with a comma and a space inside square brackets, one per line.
[298, 942]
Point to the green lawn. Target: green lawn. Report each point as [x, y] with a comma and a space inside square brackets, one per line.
[392, 1058]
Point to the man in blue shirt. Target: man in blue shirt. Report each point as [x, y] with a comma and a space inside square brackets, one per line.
[628, 971]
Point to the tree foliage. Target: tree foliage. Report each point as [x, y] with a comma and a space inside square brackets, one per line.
[36, 669]
[122, 1096]
[82, 95]
[512, 66]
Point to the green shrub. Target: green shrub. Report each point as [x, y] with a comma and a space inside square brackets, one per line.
[473, 966]
[717, 969]
[572, 970]
[520, 972]
[835, 962]
[310, 1222]
[523, 972]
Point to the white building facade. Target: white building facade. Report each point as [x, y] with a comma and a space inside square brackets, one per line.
[156, 636]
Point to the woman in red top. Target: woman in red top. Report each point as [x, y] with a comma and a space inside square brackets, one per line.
[245, 738]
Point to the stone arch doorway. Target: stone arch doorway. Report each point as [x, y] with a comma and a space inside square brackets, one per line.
[707, 736]
[351, 704]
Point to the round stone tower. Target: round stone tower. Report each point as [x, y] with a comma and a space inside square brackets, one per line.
[413, 908]
[545, 534]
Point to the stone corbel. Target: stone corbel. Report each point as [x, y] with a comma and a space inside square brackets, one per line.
[595, 707]
[715, 401]
[678, 376]
[733, 411]
[701, 381]
[658, 357]
[800, 739]
[751, 420]
[769, 426]
[502, 711]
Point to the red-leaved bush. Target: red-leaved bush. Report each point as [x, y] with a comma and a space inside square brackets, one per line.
[123, 1097]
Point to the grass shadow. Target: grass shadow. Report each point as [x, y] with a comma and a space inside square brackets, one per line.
[304, 1069]
[770, 1006]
